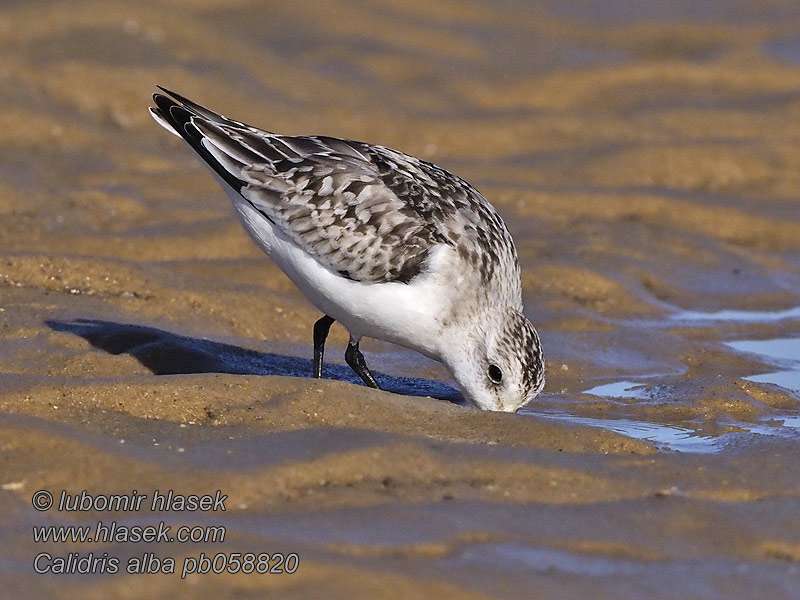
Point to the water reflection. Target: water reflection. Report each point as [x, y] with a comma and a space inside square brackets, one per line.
[742, 316]
[619, 389]
[685, 437]
[663, 436]
[783, 352]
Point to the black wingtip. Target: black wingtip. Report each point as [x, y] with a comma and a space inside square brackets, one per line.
[194, 107]
[163, 103]
[182, 117]
[175, 95]
[180, 113]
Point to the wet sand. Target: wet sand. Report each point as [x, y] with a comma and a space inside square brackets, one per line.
[647, 162]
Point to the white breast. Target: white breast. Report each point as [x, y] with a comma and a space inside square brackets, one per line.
[405, 314]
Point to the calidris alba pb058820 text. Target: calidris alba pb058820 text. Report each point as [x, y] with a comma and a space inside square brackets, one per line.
[389, 245]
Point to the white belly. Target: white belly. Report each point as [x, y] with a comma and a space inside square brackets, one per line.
[406, 314]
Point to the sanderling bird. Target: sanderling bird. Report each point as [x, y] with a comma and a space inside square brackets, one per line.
[391, 246]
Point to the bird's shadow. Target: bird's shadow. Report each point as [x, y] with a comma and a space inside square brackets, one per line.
[167, 353]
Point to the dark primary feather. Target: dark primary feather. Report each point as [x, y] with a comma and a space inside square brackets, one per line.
[369, 213]
[196, 108]
[181, 121]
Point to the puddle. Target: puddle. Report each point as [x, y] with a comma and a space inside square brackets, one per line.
[688, 437]
[664, 437]
[788, 380]
[793, 421]
[667, 437]
[742, 316]
[783, 352]
[685, 437]
[619, 389]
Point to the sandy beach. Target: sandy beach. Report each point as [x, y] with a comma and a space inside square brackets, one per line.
[647, 162]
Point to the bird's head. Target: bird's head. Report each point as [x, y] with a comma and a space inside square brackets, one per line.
[497, 361]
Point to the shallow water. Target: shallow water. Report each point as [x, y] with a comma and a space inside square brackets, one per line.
[691, 437]
[783, 352]
[619, 389]
[664, 436]
[741, 316]
[648, 170]
[695, 437]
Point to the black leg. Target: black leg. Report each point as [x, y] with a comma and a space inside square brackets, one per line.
[321, 329]
[356, 361]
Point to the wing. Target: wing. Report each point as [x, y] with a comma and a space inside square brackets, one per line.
[366, 212]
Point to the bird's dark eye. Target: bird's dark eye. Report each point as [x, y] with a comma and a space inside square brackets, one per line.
[495, 374]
